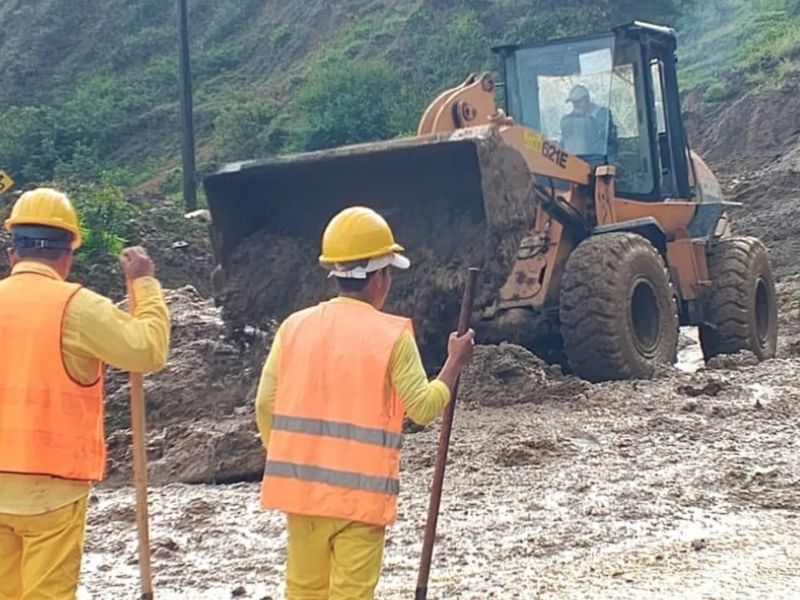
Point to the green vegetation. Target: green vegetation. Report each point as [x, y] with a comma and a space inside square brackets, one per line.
[242, 127]
[757, 38]
[273, 77]
[346, 101]
[105, 220]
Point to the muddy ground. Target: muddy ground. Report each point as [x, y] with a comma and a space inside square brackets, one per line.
[686, 486]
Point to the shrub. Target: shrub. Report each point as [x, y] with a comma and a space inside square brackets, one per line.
[241, 127]
[345, 102]
[105, 220]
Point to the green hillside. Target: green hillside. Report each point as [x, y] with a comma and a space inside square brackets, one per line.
[90, 86]
[733, 45]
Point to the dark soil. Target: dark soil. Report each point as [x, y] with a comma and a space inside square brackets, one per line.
[753, 144]
[269, 275]
[507, 375]
[748, 134]
[200, 407]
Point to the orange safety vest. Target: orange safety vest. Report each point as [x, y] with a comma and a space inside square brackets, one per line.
[337, 428]
[49, 423]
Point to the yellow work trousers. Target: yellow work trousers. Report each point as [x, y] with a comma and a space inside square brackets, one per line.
[332, 559]
[40, 555]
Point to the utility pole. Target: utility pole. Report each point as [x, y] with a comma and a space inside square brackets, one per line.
[187, 154]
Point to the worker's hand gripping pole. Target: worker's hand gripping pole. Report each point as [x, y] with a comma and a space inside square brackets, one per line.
[138, 427]
[444, 446]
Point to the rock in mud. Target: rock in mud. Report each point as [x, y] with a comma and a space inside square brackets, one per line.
[732, 362]
[712, 388]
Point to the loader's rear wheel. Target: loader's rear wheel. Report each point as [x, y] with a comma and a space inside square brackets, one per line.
[618, 314]
[741, 312]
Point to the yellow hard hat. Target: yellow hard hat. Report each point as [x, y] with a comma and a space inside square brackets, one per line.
[46, 207]
[357, 233]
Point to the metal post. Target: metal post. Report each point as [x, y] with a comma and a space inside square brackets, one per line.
[189, 184]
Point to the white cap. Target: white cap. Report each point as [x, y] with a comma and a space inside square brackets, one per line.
[342, 271]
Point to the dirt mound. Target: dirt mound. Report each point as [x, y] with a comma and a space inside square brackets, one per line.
[202, 451]
[178, 245]
[507, 374]
[770, 199]
[747, 134]
[753, 144]
[732, 362]
[199, 408]
[209, 373]
[532, 451]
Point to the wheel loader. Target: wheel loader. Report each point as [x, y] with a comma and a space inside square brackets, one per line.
[598, 230]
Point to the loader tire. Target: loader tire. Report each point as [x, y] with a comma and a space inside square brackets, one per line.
[741, 312]
[618, 313]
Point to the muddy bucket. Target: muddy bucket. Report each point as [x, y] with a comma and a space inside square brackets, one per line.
[453, 201]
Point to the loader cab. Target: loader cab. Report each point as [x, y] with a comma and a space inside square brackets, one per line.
[632, 116]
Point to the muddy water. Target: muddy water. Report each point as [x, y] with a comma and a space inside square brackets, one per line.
[684, 486]
[690, 354]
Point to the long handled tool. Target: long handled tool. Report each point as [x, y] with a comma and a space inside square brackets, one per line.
[138, 427]
[444, 446]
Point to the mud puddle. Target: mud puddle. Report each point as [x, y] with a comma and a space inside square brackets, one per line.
[238, 552]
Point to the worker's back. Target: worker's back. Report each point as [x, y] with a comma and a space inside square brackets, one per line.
[336, 415]
[49, 423]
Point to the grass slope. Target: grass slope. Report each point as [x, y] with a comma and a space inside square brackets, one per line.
[90, 86]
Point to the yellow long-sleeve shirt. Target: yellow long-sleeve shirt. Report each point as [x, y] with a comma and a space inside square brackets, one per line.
[423, 401]
[94, 331]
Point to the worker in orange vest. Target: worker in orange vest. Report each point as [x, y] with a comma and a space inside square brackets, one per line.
[56, 338]
[333, 393]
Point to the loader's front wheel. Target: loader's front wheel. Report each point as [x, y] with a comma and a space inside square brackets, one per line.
[741, 312]
[618, 314]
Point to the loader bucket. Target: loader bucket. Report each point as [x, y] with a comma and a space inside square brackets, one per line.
[453, 201]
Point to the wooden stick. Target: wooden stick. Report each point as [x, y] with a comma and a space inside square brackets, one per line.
[139, 429]
[444, 446]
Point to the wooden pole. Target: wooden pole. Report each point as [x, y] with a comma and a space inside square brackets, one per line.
[139, 428]
[444, 446]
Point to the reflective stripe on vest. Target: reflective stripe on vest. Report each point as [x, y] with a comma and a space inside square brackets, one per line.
[334, 450]
[49, 423]
[333, 477]
[345, 431]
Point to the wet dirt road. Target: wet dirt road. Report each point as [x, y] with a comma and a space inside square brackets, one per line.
[686, 486]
